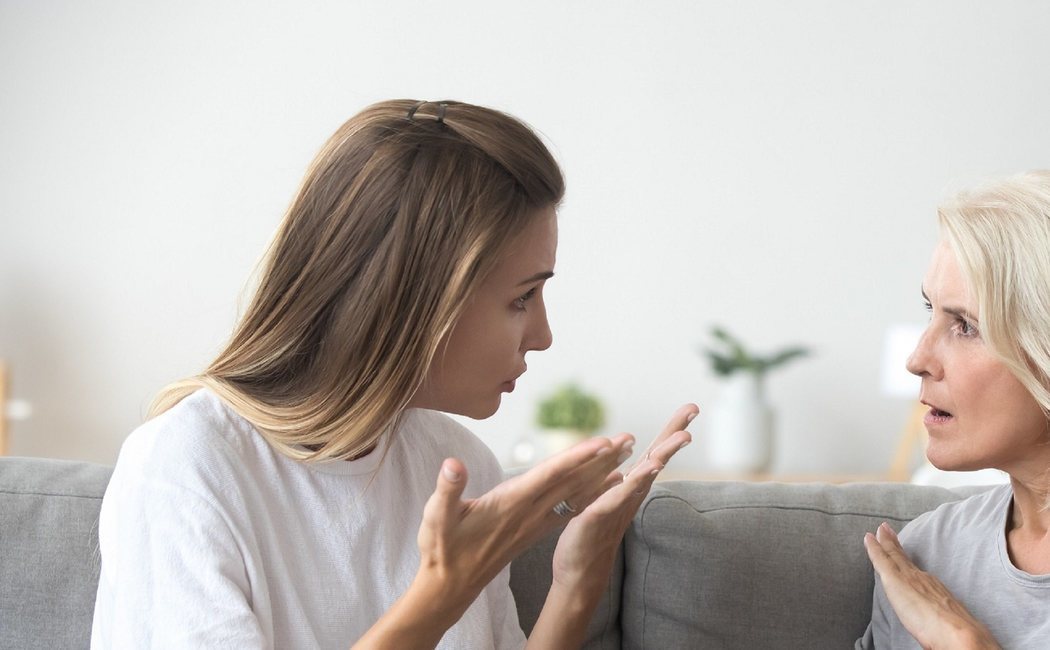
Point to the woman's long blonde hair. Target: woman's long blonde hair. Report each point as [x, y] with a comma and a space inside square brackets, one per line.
[1000, 233]
[401, 214]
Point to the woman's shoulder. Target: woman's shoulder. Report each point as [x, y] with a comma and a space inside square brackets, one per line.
[199, 433]
[967, 514]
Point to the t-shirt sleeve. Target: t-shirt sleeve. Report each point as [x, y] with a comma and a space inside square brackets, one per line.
[172, 574]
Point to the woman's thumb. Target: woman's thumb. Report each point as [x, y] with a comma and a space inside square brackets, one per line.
[451, 481]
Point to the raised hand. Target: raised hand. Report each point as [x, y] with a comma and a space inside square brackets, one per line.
[465, 543]
[923, 604]
[587, 547]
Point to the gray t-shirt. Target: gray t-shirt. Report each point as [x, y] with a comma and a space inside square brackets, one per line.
[964, 545]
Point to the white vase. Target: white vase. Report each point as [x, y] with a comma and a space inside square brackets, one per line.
[741, 427]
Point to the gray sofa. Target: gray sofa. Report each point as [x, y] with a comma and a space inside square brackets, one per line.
[704, 565]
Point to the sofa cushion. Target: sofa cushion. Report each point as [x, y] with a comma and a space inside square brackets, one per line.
[48, 551]
[757, 565]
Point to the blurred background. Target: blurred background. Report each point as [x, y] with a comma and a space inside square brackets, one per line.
[770, 167]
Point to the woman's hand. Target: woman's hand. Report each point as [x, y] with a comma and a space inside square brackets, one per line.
[587, 548]
[464, 543]
[924, 606]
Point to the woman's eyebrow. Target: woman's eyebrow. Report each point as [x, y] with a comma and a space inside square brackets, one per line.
[544, 275]
[960, 312]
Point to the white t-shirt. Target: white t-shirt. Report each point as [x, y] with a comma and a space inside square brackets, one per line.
[963, 543]
[210, 538]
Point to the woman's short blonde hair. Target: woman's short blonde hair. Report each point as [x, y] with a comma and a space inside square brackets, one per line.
[1000, 233]
[402, 213]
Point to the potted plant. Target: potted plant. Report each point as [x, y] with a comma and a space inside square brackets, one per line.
[741, 423]
[568, 415]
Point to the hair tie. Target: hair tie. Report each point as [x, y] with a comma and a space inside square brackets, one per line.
[412, 111]
[442, 107]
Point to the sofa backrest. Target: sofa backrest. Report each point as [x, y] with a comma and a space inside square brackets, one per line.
[758, 565]
[48, 551]
[719, 565]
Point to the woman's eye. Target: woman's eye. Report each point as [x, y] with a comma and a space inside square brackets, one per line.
[926, 305]
[965, 328]
[520, 301]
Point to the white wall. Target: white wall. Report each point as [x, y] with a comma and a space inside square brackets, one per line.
[770, 166]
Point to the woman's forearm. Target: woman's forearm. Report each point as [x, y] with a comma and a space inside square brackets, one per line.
[420, 617]
[564, 618]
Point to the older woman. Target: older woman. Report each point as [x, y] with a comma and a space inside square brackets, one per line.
[976, 573]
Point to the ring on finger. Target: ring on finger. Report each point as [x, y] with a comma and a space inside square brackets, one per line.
[563, 509]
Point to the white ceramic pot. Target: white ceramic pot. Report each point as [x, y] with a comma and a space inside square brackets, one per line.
[740, 436]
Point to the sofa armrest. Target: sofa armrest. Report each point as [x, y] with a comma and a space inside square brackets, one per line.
[48, 551]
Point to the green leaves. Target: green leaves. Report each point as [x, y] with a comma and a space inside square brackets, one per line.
[571, 408]
[729, 355]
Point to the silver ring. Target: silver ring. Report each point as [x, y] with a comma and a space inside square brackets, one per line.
[563, 509]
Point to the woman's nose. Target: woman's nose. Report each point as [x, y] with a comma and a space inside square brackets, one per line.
[540, 336]
[922, 361]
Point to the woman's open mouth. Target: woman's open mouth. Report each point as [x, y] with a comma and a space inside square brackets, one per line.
[936, 416]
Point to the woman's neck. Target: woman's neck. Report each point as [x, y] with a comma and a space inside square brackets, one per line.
[1028, 526]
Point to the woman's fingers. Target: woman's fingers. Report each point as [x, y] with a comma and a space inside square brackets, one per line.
[627, 494]
[885, 550]
[663, 445]
[584, 473]
[446, 501]
[679, 421]
[923, 604]
[582, 469]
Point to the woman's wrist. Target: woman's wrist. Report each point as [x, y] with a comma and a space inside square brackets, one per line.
[591, 578]
[563, 621]
[976, 638]
[428, 608]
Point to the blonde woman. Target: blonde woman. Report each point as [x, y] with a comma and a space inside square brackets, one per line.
[286, 496]
[976, 573]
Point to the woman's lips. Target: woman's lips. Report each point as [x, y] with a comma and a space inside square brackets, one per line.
[508, 386]
[936, 417]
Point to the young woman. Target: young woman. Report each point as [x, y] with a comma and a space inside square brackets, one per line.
[286, 496]
[976, 573]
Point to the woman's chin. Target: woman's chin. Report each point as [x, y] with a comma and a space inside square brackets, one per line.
[946, 462]
[481, 410]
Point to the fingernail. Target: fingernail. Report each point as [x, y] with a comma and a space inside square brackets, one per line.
[603, 450]
[450, 475]
[684, 444]
[624, 455]
[689, 418]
